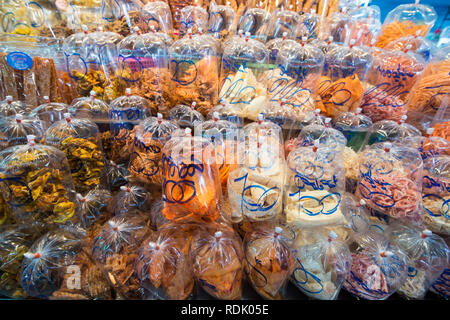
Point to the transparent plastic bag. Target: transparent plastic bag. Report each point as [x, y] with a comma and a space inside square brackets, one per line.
[116, 175]
[282, 21]
[340, 86]
[388, 130]
[120, 16]
[350, 158]
[194, 71]
[144, 62]
[29, 70]
[294, 80]
[163, 265]
[337, 26]
[158, 15]
[323, 134]
[49, 112]
[93, 206]
[365, 25]
[442, 285]
[80, 141]
[390, 79]
[268, 260]
[131, 198]
[321, 266]
[390, 181]
[276, 45]
[428, 145]
[227, 112]
[379, 268]
[150, 137]
[8, 107]
[255, 186]
[427, 255]
[435, 194]
[221, 21]
[186, 116]
[115, 247]
[355, 127]
[193, 17]
[308, 26]
[420, 45]
[406, 19]
[315, 182]
[254, 21]
[191, 187]
[36, 184]
[243, 79]
[218, 262]
[356, 213]
[15, 129]
[157, 218]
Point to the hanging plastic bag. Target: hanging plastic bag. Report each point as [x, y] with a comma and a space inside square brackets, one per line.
[14, 130]
[194, 72]
[115, 246]
[255, 186]
[268, 260]
[315, 181]
[355, 127]
[337, 26]
[218, 262]
[427, 256]
[36, 183]
[321, 266]
[80, 141]
[390, 181]
[404, 20]
[163, 264]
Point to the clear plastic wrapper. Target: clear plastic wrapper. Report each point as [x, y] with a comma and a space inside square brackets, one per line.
[294, 80]
[379, 268]
[150, 137]
[282, 21]
[194, 71]
[355, 127]
[420, 45]
[15, 241]
[132, 198]
[337, 25]
[37, 185]
[218, 262]
[186, 116]
[120, 16]
[15, 129]
[308, 26]
[144, 62]
[29, 70]
[49, 112]
[255, 186]
[163, 265]
[125, 113]
[193, 17]
[276, 45]
[442, 285]
[80, 141]
[388, 130]
[157, 218]
[221, 21]
[321, 265]
[116, 175]
[191, 186]
[243, 76]
[227, 112]
[255, 21]
[15, 18]
[427, 256]
[115, 246]
[428, 145]
[390, 79]
[8, 107]
[315, 182]
[158, 15]
[356, 213]
[340, 86]
[436, 195]
[406, 19]
[390, 181]
[93, 206]
[350, 158]
[365, 25]
[268, 260]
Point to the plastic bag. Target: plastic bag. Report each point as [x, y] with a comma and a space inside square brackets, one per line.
[131, 198]
[80, 141]
[355, 127]
[340, 87]
[321, 266]
[192, 17]
[282, 21]
[186, 116]
[427, 255]
[37, 184]
[115, 247]
[308, 26]
[435, 194]
[254, 21]
[324, 134]
[8, 107]
[356, 213]
[93, 206]
[350, 158]
[337, 26]
[150, 138]
[315, 181]
[428, 146]
[442, 285]
[275, 45]
[268, 260]
[406, 19]
[120, 16]
[163, 265]
[221, 21]
[144, 62]
[255, 186]
[388, 130]
[390, 178]
[158, 15]
[243, 83]
[116, 175]
[365, 25]
[379, 268]
[14, 130]
[227, 112]
[29, 70]
[191, 186]
[49, 112]
[419, 45]
[194, 72]
[157, 218]
[391, 78]
[217, 257]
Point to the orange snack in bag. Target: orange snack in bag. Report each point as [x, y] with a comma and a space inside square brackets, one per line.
[396, 30]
